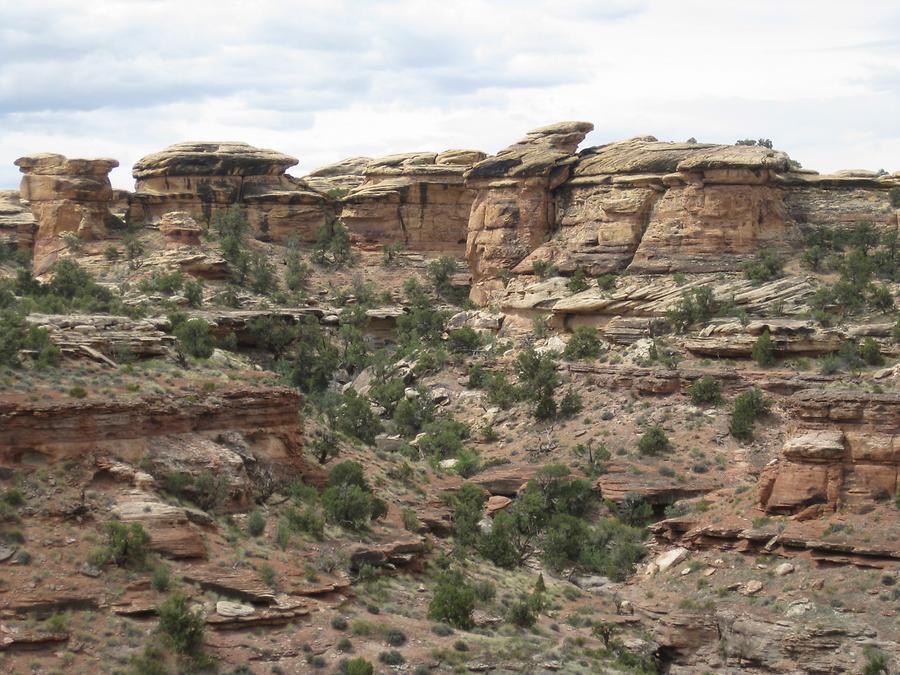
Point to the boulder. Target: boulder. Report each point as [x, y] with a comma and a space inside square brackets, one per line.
[179, 229]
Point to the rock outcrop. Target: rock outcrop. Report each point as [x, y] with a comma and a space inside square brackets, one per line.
[844, 452]
[339, 178]
[417, 199]
[205, 179]
[66, 195]
[180, 229]
[514, 209]
[55, 430]
[17, 224]
[648, 206]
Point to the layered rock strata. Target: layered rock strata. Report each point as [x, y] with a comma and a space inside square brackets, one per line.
[56, 430]
[648, 206]
[514, 210]
[844, 452]
[17, 223]
[339, 178]
[207, 179]
[66, 195]
[418, 200]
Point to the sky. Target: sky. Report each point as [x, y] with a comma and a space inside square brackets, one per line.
[327, 80]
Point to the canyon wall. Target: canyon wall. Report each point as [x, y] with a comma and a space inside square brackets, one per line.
[650, 207]
[639, 205]
[418, 200]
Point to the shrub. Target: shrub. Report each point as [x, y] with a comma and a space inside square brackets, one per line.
[463, 340]
[453, 601]
[182, 627]
[765, 266]
[443, 439]
[193, 292]
[332, 244]
[358, 666]
[500, 391]
[339, 623]
[697, 305]
[194, 337]
[521, 613]
[543, 269]
[870, 352]
[747, 408]
[583, 344]
[388, 394]
[126, 545]
[876, 661]
[348, 505]
[256, 524]
[161, 579]
[355, 417]
[313, 358]
[654, 441]
[391, 658]
[706, 390]
[395, 637]
[410, 521]
[440, 273]
[764, 350]
[578, 281]
[16, 335]
[606, 282]
[468, 508]
[894, 195]
[570, 404]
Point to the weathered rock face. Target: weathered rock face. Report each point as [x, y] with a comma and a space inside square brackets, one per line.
[514, 209]
[340, 177]
[17, 224]
[649, 206]
[417, 199]
[845, 451]
[204, 179]
[66, 195]
[267, 418]
[179, 229]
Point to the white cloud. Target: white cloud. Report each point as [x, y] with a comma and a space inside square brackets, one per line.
[322, 81]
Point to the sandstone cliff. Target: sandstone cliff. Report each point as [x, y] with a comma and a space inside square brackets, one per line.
[204, 179]
[417, 199]
[66, 195]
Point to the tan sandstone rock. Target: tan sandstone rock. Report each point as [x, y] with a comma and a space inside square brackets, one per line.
[66, 195]
[205, 179]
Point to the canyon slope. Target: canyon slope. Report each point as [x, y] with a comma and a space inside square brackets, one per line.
[624, 408]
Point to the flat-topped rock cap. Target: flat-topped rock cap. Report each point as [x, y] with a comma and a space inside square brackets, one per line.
[53, 164]
[213, 159]
[646, 155]
[352, 166]
[537, 154]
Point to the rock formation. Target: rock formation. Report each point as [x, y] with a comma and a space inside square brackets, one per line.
[649, 206]
[417, 199]
[339, 178]
[204, 179]
[179, 229]
[66, 195]
[17, 224]
[843, 452]
[514, 211]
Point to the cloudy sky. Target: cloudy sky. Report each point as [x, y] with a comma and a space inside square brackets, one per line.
[326, 80]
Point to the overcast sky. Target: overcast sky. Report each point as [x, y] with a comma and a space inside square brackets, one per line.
[329, 79]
